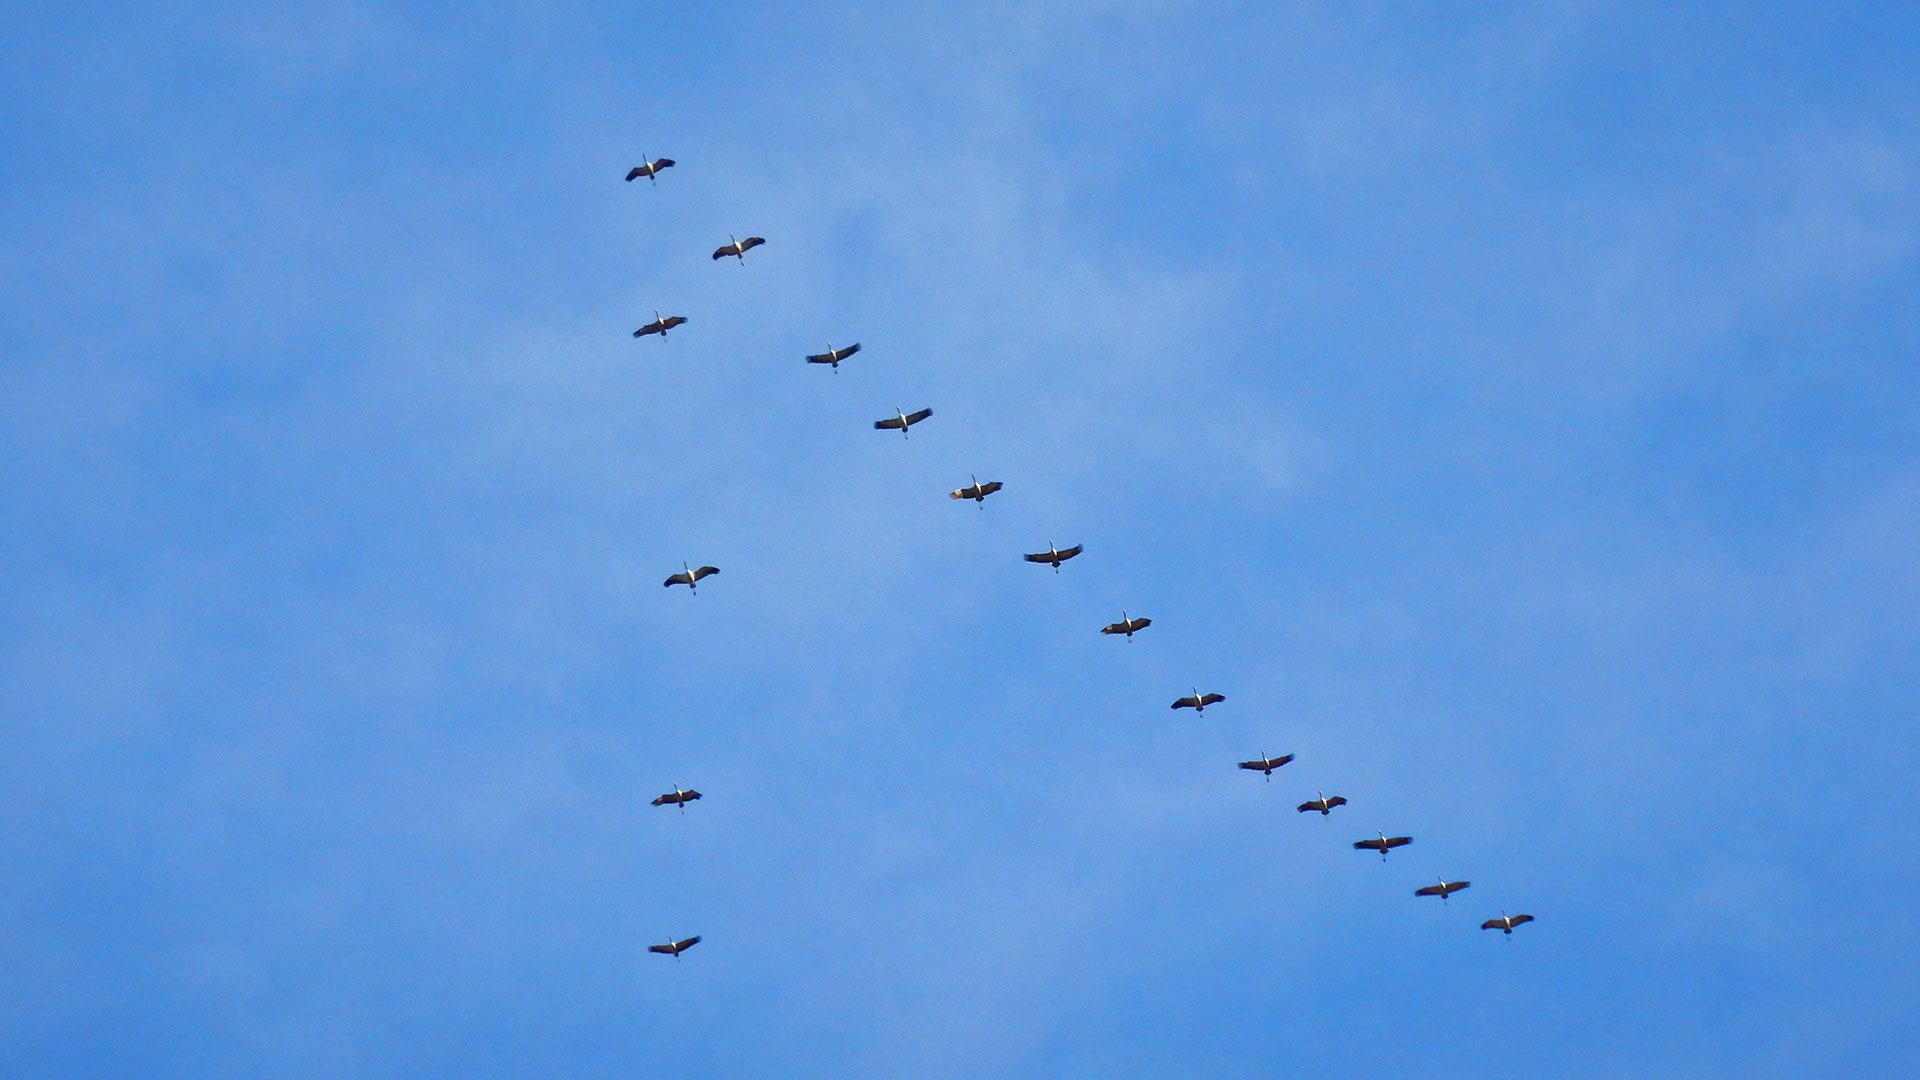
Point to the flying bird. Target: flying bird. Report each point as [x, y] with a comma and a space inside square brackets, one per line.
[1322, 804]
[660, 326]
[1442, 890]
[676, 797]
[1505, 923]
[1266, 764]
[978, 492]
[738, 248]
[1055, 555]
[1126, 626]
[649, 169]
[675, 948]
[688, 576]
[1382, 845]
[901, 421]
[1198, 701]
[834, 356]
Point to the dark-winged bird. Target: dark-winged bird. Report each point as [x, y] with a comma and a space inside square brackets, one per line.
[1322, 804]
[901, 421]
[1442, 890]
[1383, 845]
[675, 948]
[688, 576]
[1126, 626]
[1505, 922]
[738, 248]
[660, 326]
[1055, 555]
[649, 170]
[1266, 764]
[834, 356]
[1198, 701]
[978, 492]
[676, 797]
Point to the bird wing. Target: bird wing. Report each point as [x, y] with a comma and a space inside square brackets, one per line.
[672, 321]
[751, 242]
[888, 425]
[650, 328]
[663, 800]
[686, 943]
[1493, 924]
[1518, 919]
[1310, 804]
[842, 354]
[663, 163]
[821, 358]
[636, 174]
[1257, 766]
[689, 795]
[705, 572]
[1431, 890]
[724, 251]
[1282, 760]
[1337, 800]
[1456, 886]
[681, 578]
[960, 493]
[1142, 624]
[1044, 556]
[1068, 553]
[916, 417]
[1188, 702]
[1375, 844]
[1114, 628]
[1399, 841]
[666, 949]
[1209, 699]
[990, 487]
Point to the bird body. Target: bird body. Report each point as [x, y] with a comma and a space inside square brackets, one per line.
[737, 248]
[1322, 803]
[1442, 890]
[675, 948]
[649, 170]
[834, 356]
[660, 326]
[689, 576]
[1505, 923]
[1198, 701]
[1383, 845]
[1266, 764]
[978, 492]
[1054, 555]
[676, 797]
[1126, 625]
[901, 421]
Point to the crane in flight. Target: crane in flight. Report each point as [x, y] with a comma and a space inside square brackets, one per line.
[1322, 803]
[1126, 625]
[1505, 923]
[834, 356]
[676, 797]
[1383, 845]
[1266, 764]
[901, 421]
[675, 948]
[649, 170]
[688, 576]
[978, 492]
[737, 248]
[1055, 555]
[1198, 701]
[659, 325]
[1443, 890]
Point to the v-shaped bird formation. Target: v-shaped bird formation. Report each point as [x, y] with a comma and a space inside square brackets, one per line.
[977, 492]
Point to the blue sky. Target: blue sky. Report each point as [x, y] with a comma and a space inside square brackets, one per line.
[1511, 411]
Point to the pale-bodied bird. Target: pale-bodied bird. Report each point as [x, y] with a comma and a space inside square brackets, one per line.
[1266, 764]
[649, 170]
[1322, 803]
[737, 248]
[1383, 845]
[676, 797]
[978, 492]
[675, 948]
[1126, 625]
[1198, 701]
[834, 356]
[901, 421]
[1505, 923]
[688, 576]
[660, 325]
[1055, 555]
[1443, 890]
